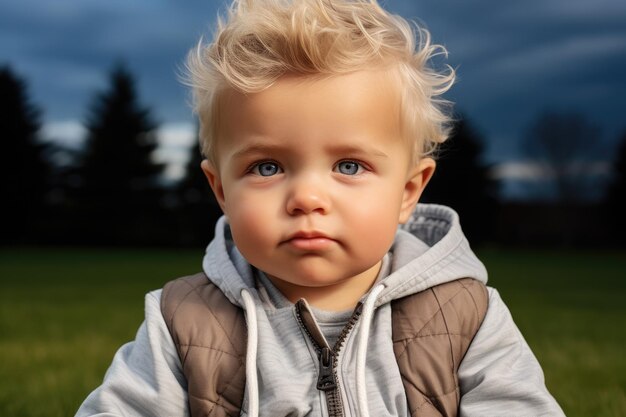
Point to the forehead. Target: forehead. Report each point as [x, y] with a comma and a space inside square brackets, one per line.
[360, 104]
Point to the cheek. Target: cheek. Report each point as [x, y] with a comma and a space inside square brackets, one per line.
[249, 219]
[374, 225]
[380, 206]
[245, 205]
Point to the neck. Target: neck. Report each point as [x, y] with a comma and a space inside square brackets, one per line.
[339, 296]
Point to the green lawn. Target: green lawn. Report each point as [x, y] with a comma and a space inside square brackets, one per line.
[64, 312]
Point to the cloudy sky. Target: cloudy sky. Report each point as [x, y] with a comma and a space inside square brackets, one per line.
[515, 59]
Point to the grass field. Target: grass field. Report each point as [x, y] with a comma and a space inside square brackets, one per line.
[64, 312]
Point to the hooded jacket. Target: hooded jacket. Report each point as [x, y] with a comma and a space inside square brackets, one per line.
[499, 375]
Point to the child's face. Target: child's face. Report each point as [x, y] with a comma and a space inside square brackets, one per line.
[314, 178]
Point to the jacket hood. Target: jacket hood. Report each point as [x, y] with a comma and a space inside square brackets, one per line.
[446, 254]
[428, 250]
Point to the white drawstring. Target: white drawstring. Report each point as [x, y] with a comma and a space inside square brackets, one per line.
[252, 382]
[361, 353]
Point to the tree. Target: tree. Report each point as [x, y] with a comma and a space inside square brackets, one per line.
[462, 182]
[23, 164]
[616, 196]
[199, 209]
[119, 179]
[564, 143]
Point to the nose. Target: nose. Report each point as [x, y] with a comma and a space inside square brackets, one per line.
[308, 195]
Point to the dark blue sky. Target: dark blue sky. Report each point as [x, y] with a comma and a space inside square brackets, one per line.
[514, 59]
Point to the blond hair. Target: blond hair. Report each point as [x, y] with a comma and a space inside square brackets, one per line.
[261, 40]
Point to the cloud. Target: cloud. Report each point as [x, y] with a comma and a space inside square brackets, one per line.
[65, 48]
[68, 133]
[176, 135]
[539, 172]
[562, 55]
[513, 58]
[176, 142]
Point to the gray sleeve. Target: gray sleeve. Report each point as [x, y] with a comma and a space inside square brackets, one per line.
[145, 377]
[499, 374]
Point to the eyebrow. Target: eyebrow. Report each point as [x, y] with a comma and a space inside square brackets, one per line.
[265, 148]
[258, 148]
[357, 150]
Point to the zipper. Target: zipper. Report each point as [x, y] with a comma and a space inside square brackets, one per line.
[327, 357]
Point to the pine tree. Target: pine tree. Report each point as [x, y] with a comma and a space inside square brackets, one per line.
[22, 161]
[565, 143]
[199, 208]
[119, 179]
[616, 196]
[462, 181]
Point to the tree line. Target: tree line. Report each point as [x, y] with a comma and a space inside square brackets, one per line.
[111, 191]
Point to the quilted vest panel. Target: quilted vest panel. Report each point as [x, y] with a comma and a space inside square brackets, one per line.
[210, 335]
[432, 331]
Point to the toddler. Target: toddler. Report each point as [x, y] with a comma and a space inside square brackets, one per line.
[327, 290]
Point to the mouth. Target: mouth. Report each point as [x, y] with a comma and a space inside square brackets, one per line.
[309, 241]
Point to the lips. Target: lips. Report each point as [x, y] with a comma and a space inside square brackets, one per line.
[309, 241]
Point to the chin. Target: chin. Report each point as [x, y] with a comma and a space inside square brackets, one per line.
[311, 277]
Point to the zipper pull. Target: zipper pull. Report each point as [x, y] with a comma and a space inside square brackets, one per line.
[326, 380]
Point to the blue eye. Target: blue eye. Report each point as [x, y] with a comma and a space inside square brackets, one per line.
[349, 167]
[266, 169]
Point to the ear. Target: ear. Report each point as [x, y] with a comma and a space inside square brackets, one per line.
[213, 176]
[417, 179]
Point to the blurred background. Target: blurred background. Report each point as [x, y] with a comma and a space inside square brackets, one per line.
[100, 142]
[103, 199]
